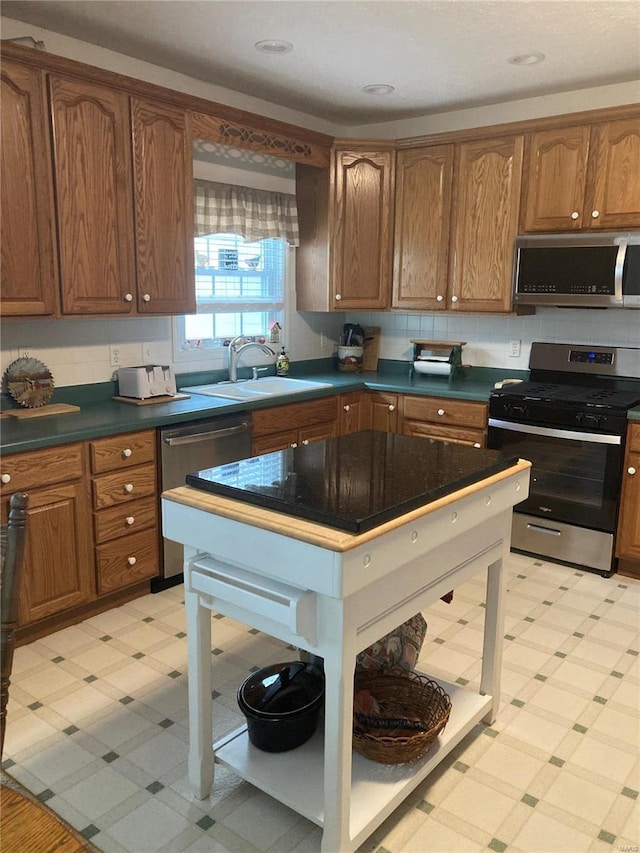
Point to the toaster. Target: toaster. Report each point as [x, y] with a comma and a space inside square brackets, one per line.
[148, 380]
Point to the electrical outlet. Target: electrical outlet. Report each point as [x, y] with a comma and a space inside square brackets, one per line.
[115, 353]
[515, 349]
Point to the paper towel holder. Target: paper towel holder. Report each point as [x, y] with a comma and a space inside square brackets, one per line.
[437, 358]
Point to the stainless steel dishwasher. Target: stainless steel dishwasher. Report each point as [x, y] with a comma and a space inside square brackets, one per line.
[190, 448]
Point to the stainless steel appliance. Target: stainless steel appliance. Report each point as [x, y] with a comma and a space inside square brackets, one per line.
[578, 270]
[194, 447]
[569, 420]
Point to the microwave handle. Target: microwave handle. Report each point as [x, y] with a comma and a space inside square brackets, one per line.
[619, 268]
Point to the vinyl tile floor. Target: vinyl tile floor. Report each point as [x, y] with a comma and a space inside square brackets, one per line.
[97, 728]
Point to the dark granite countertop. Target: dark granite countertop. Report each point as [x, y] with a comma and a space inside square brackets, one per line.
[100, 415]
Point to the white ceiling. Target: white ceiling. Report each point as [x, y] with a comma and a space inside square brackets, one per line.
[438, 54]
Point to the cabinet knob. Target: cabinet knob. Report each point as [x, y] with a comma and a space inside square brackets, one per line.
[305, 441]
[631, 470]
[293, 444]
[439, 298]
[392, 408]
[130, 519]
[146, 297]
[575, 215]
[347, 408]
[128, 487]
[338, 297]
[128, 297]
[454, 298]
[131, 561]
[441, 412]
[595, 214]
[477, 444]
[6, 478]
[127, 452]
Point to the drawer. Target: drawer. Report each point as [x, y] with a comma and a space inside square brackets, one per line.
[633, 438]
[124, 562]
[458, 435]
[122, 451]
[123, 486]
[25, 471]
[126, 519]
[294, 416]
[446, 411]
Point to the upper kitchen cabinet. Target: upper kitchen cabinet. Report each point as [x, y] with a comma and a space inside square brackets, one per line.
[346, 219]
[422, 223]
[486, 199]
[94, 201]
[362, 229]
[583, 177]
[163, 191]
[28, 268]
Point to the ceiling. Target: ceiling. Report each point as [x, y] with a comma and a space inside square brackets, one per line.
[439, 55]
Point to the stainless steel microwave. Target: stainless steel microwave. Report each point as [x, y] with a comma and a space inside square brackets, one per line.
[578, 270]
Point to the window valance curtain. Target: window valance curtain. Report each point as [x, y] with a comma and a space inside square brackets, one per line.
[255, 214]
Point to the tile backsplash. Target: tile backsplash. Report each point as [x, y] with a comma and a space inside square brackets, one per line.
[78, 351]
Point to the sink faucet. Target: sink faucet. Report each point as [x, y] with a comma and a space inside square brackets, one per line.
[237, 348]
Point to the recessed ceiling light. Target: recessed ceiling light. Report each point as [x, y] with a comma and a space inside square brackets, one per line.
[274, 46]
[378, 89]
[526, 59]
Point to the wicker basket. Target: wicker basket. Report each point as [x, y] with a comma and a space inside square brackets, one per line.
[400, 696]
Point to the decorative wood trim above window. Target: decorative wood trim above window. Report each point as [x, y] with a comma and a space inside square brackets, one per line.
[296, 148]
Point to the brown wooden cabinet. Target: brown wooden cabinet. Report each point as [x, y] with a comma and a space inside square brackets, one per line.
[486, 201]
[28, 268]
[445, 419]
[422, 227]
[583, 177]
[58, 574]
[628, 539]
[163, 192]
[303, 423]
[353, 412]
[383, 411]
[94, 199]
[125, 509]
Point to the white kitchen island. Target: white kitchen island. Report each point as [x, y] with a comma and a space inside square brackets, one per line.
[334, 593]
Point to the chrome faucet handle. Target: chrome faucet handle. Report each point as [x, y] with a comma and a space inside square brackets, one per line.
[257, 370]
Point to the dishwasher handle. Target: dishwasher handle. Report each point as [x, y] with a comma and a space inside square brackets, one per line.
[209, 435]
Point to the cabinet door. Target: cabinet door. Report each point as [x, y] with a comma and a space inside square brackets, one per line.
[628, 541]
[485, 223]
[555, 180]
[28, 268]
[274, 442]
[422, 223]
[613, 196]
[362, 229]
[318, 432]
[353, 414]
[92, 168]
[383, 412]
[58, 571]
[162, 161]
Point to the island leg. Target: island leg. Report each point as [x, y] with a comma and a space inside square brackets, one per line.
[339, 662]
[201, 758]
[493, 635]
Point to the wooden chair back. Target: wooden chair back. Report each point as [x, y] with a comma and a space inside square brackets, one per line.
[12, 547]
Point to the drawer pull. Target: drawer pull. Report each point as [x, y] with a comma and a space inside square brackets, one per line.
[6, 478]
[127, 452]
[441, 412]
[128, 488]
[130, 518]
[132, 561]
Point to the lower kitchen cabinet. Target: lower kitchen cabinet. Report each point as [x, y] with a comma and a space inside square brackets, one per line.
[353, 412]
[280, 427]
[383, 411]
[458, 421]
[59, 569]
[628, 540]
[125, 509]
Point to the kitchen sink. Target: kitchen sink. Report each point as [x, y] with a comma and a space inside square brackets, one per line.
[257, 389]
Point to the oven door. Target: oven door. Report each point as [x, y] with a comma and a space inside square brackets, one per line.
[575, 476]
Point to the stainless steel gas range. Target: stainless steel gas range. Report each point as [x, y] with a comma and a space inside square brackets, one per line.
[569, 420]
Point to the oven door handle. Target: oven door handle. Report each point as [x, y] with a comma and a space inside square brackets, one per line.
[591, 437]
